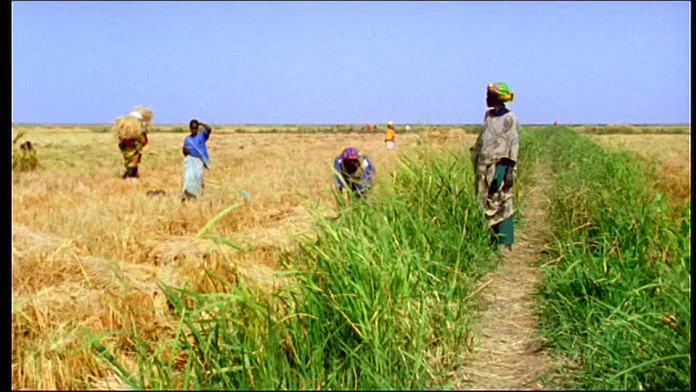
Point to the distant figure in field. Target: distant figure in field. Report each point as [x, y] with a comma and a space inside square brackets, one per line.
[25, 159]
[131, 132]
[555, 123]
[390, 139]
[196, 159]
[495, 157]
[353, 171]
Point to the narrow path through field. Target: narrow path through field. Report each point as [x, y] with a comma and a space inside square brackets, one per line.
[508, 352]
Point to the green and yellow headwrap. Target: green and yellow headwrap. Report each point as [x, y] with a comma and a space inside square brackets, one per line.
[501, 91]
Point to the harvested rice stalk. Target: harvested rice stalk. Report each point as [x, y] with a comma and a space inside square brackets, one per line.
[132, 126]
[145, 113]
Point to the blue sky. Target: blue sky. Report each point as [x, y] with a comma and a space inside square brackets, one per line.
[350, 62]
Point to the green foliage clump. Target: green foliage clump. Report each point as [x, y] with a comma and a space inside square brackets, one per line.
[616, 297]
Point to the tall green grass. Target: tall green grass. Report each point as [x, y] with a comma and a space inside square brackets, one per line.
[388, 281]
[616, 294]
[381, 300]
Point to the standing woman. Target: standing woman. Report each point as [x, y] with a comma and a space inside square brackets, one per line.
[131, 132]
[495, 157]
[195, 159]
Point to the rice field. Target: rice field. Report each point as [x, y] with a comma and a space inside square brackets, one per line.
[102, 244]
[292, 288]
[616, 294]
[670, 153]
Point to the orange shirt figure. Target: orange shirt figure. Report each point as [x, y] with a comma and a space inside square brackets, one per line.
[390, 140]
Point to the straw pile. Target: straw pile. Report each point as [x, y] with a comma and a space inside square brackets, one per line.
[132, 127]
[184, 260]
[32, 241]
[59, 292]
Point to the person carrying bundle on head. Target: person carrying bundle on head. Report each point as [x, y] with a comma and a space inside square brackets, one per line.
[494, 156]
[196, 159]
[390, 140]
[131, 131]
[353, 172]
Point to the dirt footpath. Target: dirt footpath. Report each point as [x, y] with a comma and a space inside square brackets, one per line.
[508, 352]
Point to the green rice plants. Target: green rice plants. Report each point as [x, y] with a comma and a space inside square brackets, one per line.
[385, 280]
[615, 298]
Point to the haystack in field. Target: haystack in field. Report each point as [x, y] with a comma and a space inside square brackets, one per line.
[133, 125]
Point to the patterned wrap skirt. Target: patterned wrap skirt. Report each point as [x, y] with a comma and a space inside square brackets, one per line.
[497, 202]
[132, 151]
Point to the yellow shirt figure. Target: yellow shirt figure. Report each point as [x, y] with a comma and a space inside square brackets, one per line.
[391, 136]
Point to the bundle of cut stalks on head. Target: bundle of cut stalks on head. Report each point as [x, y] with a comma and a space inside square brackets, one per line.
[134, 124]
